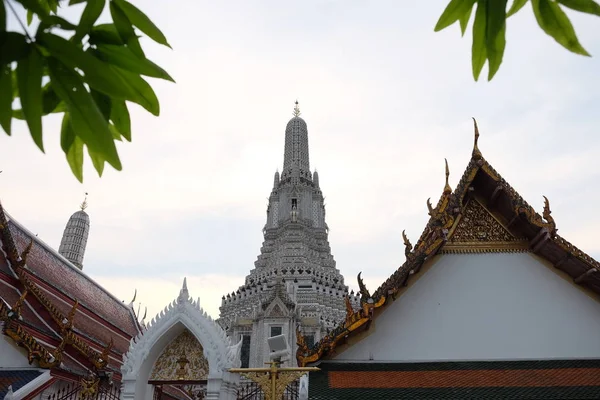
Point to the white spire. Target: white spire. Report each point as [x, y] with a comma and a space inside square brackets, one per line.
[75, 236]
[184, 295]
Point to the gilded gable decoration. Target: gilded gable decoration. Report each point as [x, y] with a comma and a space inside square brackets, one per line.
[478, 231]
[182, 359]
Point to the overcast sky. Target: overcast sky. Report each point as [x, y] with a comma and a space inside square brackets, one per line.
[385, 99]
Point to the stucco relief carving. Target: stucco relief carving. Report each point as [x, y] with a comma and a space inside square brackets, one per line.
[182, 359]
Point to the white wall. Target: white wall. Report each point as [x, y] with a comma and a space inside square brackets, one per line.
[485, 306]
[12, 356]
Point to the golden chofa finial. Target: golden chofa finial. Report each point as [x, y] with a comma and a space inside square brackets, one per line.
[476, 152]
[296, 109]
[84, 205]
[447, 188]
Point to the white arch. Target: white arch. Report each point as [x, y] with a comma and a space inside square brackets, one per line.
[145, 349]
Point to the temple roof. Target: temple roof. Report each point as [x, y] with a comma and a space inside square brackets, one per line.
[513, 225]
[69, 306]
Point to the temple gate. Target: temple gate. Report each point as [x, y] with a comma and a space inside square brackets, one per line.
[183, 353]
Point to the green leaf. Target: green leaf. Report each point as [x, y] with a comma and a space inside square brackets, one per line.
[35, 6]
[73, 2]
[105, 34]
[119, 115]
[6, 98]
[67, 135]
[143, 23]
[97, 73]
[115, 132]
[50, 99]
[29, 79]
[125, 29]
[495, 35]
[555, 23]
[13, 47]
[73, 147]
[123, 57]
[516, 6]
[55, 20]
[29, 17]
[103, 102]
[586, 6]
[86, 119]
[53, 5]
[454, 10]
[478, 50]
[464, 20]
[2, 17]
[145, 96]
[14, 84]
[97, 160]
[92, 11]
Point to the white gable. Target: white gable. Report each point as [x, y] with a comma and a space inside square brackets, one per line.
[484, 307]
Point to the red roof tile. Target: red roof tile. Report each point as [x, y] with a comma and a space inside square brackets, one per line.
[58, 276]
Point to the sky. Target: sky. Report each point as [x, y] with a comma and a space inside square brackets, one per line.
[386, 99]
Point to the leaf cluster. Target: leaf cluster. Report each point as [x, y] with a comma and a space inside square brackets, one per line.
[87, 72]
[489, 26]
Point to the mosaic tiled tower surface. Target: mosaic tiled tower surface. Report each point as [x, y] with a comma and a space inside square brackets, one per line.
[75, 236]
[295, 282]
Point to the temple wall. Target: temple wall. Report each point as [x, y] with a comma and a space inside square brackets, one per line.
[12, 356]
[485, 307]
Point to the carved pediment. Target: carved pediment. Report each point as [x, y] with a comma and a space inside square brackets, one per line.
[478, 231]
[276, 309]
[182, 359]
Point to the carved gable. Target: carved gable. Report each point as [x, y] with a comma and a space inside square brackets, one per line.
[478, 231]
[182, 359]
[276, 309]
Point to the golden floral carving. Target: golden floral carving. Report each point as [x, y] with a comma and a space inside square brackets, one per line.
[478, 231]
[170, 365]
[478, 225]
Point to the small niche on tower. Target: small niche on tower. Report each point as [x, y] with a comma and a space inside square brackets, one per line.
[294, 212]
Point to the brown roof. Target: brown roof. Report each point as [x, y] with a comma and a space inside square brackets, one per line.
[526, 228]
[100, 324]
[100, 316]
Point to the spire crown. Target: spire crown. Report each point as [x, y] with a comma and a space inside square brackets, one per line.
[296, 147]
[84, 205]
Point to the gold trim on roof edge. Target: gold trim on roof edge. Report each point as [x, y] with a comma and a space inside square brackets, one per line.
[435, 235]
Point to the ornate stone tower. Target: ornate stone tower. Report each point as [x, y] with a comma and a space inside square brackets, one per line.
[294, 283]
[75, 236]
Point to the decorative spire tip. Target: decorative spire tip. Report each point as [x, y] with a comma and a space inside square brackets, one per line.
[84, 205]
[447, 188]
[296, 110]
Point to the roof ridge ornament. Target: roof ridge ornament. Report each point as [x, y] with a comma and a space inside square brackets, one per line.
[407, 245]
[296, 109]
[447, 188]
[184, 295]
[133, 300]
[476, 152]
